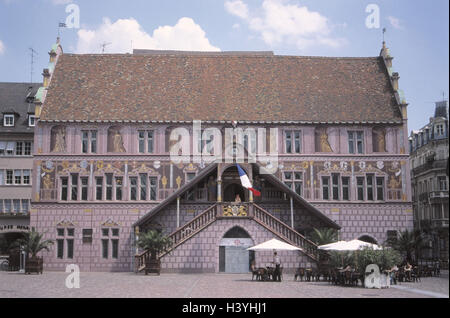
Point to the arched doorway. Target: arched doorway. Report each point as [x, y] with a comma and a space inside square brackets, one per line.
[232, 185]
[368, 239]
[231, 190]
[233, 254]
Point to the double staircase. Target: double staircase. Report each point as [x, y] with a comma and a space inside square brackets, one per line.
[217, 211]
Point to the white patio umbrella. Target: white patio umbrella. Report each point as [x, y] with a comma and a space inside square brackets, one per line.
[352, 245]
[274, 244]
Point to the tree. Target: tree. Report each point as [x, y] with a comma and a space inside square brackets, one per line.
[32, 243]
[324, 236]
[408, 242]
[154, 242]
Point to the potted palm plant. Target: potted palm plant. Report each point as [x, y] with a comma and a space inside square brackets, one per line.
[155, 243]
[32, 243]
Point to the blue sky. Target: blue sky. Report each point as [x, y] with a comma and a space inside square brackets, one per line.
[417, 34]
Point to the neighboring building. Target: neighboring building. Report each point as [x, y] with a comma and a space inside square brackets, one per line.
[103, 173]
[429, 182]
[16, 158]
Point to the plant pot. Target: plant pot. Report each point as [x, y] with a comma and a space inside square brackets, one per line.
[153, 266]
[34, 265]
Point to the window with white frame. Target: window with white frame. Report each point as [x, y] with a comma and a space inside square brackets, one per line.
[146, 141]
[8, 120]
[31, 120]
[89, 141]
[294, 180]
[292, 141]
[356, 142]
[439, 130]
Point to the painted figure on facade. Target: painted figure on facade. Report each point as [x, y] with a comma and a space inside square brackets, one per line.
[379, 140]
[60, 140]
[118, 142]
[324, 145]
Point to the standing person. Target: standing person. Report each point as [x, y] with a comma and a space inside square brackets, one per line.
[277, 263]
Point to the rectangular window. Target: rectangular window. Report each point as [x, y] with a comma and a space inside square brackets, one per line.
[380, 189]
[1, 206]
[119, 188]
[298, 182]
[8, 120]
[70, 232]
[2, 177]
[93, 141]
[26, 176]
[10, 148]
[28, 147]
[326, 188]
[105, 248]
[16, 204]
[141, 135]
[143, 190]
[288, 142]
[69, 248]
[153, 188]
[99, 188]
[9, 177]
[60, 248]
[297, 142]
[84, 141]
[109, 186]
[84, 188]
[105, 232]
[335, 185]
[150, 141]
[19, 148]
[25, 206]
[360, 188]
[115, 232]
[370, 192]
[115, 248]
[442, 181]
[356, 142]
[64, 188]
[133, 188]
[8, 206]
[17, 176]
[60, 232]
[87, 235]
[345, 188]
[74, 187]
[31, 120]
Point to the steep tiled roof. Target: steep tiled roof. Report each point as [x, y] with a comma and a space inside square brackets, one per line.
[13, 100]
[247, 87]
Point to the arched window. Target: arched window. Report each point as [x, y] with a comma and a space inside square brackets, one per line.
[368, 239]
[236, 232]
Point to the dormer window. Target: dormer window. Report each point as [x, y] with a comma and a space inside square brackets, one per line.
[439, 130]
[31, 120]
[8, 120]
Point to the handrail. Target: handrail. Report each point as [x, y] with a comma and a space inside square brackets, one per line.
[181, 234]
[285, 231]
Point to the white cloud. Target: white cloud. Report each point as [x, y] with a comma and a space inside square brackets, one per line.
[236, 26]
[395, 22]
[126, 33]
[2, 47]
[279, 22]
[237, 8]
[57, 2]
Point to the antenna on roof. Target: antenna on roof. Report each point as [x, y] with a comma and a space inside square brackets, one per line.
[384, 31]
[103, 46]
[33, 52]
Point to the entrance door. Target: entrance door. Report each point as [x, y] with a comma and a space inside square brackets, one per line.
[236, 259]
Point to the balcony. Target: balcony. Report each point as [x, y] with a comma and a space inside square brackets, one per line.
[429, 165]
[439, 196]
[439, 223]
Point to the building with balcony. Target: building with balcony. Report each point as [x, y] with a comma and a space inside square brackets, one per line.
[119, 150]
[16, 158]
[429, 181]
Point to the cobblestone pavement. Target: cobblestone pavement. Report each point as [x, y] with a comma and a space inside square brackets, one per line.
[124, 285]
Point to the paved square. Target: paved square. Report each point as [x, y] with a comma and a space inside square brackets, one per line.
[124, 285]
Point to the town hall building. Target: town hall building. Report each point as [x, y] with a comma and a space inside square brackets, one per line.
[104, 172]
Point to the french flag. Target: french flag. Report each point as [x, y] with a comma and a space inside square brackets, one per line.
[246, 182]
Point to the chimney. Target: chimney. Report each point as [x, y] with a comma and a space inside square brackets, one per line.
[395, 77]
[46, 75]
